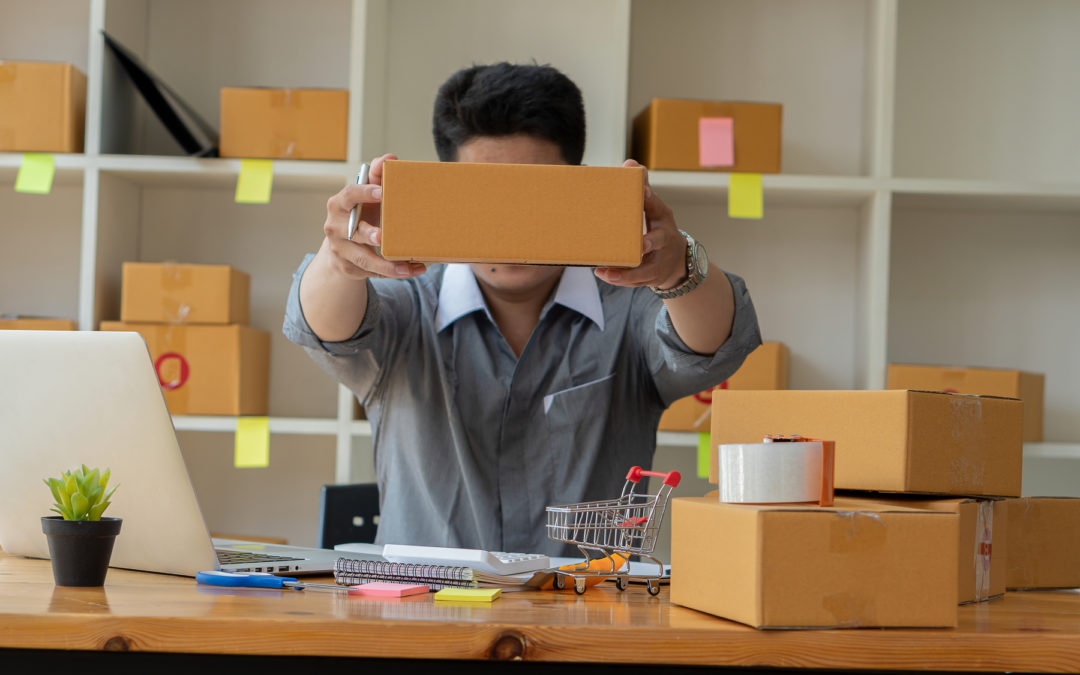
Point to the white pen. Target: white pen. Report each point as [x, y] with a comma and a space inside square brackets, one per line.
[361, 178]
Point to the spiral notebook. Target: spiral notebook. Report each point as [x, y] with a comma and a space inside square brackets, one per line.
[350, 572]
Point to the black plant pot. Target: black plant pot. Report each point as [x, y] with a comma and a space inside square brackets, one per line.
[80, 549]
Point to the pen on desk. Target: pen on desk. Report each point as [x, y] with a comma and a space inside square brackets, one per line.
[361, 179]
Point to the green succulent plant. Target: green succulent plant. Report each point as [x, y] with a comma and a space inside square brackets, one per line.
[80, 494]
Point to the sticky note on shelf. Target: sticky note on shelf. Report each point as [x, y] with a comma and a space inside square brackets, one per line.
[703, 456]
[468, 594]
[744, 196]
[252, 449]
[255, 181]
[36, 173]
[716, 141]
[388, 589]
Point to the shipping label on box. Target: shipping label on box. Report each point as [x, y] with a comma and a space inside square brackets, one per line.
[35, 323]
[284, 123]
[765, 368]
[846, 566]
[42, 107]
[983, 539]
[889, 441]
[508, 213]
[1044, 543]
[207, 370]
[182, 293]
[1028, 387]
[686, 135]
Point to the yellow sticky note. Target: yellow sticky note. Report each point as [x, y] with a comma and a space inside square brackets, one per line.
[255, 181]
[744, 196]
[252, 443]
[468, 594]
[35, 174]
[703, 455]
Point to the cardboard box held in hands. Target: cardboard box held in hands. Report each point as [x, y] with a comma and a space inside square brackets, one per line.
[530, 214]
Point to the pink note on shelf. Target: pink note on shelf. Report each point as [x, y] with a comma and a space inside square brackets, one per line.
[387, 589]
[716, 141]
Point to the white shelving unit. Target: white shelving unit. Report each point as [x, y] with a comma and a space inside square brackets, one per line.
[929, 209]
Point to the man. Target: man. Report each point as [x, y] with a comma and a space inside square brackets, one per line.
[496, 390]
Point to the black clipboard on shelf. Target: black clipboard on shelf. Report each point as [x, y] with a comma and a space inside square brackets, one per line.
[195, 136]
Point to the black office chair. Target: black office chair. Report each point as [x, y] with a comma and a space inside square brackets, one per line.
[348, 514]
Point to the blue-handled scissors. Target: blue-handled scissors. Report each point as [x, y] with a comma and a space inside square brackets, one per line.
[260, 580]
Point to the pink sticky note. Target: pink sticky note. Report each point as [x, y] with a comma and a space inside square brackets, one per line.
[716, 144]
[387, 589]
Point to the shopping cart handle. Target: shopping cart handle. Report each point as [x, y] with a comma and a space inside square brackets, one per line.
[671, 478]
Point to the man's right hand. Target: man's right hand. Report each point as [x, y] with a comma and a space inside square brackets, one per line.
[333, 290]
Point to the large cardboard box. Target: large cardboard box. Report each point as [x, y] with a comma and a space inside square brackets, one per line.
[284, 123]
[42, 107]
[849, 565]
[182, 293]
[1044, 542]
[666, 135]
[1027, 387]
[207, 370]
[512, 213]
[765, 368]
[35, 323]
[983, 539]
[890, 441]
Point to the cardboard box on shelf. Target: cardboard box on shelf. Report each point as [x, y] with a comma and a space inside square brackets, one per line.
[983, 538]
[42, 107]
[284, 123]
[184, 293]
[35, 323]
[849, 565]
[506, 213]
[668, 135]
[1044, 543]
[765, 368]
[889, 441]
[207, 370]
[1028, 387]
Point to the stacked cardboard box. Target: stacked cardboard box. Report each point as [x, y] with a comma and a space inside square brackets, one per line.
[194, 320]
[42, 107]
[870, 560]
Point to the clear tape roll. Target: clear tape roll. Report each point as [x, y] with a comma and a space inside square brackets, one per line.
[770, 473]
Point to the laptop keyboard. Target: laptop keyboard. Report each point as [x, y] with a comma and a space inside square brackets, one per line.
[237, 557]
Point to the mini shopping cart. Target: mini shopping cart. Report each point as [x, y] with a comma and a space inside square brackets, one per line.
[608, 532]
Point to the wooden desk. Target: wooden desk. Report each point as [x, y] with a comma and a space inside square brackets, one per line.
[158, 613]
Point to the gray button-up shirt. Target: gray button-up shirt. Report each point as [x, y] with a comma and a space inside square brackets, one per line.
[471, 442]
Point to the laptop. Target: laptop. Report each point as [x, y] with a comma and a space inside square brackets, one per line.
[71, 398]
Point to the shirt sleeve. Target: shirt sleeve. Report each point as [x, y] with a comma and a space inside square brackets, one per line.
[677, 370]
[359, 361]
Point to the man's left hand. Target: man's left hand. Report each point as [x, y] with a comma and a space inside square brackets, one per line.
[663, 261]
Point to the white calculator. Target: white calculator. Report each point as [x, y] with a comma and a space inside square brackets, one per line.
[491, 562]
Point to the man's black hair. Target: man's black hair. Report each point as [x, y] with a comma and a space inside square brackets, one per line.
[503, 99]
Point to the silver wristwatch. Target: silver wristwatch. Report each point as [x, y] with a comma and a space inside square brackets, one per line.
[697, 268]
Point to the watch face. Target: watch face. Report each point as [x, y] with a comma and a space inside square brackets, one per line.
[701, 259]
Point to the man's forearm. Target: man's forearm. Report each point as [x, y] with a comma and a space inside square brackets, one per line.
[703, 317]
[333, 304]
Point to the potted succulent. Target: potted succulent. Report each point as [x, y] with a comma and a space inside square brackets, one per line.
[80, 539]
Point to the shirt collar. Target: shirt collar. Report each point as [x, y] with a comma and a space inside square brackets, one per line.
[460, 295]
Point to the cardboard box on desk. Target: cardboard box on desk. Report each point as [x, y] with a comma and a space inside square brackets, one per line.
[765, 368]
[508, 213]
[42, 107]
[889, 441]
[1044, 542]
[1028, 387]
[284, 123]
[207, 370]
[667, 135]
[982, 554]
[850, 565]
[183, 293]
[35, 323]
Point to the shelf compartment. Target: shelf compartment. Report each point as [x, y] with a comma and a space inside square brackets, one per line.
[216, 173]
[694, 187]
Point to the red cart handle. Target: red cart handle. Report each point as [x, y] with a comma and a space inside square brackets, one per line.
[671, 478]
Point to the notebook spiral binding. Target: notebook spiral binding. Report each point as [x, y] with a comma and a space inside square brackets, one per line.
[349, 572]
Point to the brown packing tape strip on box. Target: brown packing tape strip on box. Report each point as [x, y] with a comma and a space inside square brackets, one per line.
[284, 130]
[173, 369]
[175, 277]
[984, 528]
[967, 422]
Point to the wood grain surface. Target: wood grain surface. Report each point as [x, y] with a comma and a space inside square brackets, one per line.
[1034, 631]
